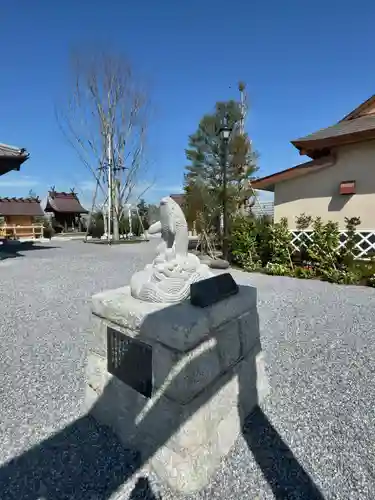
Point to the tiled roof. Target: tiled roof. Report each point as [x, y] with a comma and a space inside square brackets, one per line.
[11, 158]
[6, 150]
[64, 203]
[20, 206]
[362, 124]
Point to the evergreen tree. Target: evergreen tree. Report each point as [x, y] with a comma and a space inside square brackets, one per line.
[143, 213]
[204, 174]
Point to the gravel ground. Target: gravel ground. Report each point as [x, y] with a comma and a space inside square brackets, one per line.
[314, 437]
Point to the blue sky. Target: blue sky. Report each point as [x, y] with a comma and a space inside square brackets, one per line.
[306, 65]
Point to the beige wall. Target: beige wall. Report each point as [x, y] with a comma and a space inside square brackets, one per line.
[317, 194]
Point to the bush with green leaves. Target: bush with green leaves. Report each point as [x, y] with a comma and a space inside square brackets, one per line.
[324, 249]
[303, 222]
[259, 244]
[48, 231]
[281, 243]
[304, 272]
[56, 226]
[96, 228]
[243, 245]
[124, 226]
[301, 257]
[276, 269]
[263, 239]
[349, 252]
[329, 261]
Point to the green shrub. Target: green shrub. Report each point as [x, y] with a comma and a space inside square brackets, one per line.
[48, 232]
[264, 239]
[125, 227]
[366, 271]
[341, 277]
[303, 222]
[366, 268]
[302, 257]
[349, 251]
[57, 228]
[257, 243]
[136, 226]
[243, 244]
[96, 229]
[303, 272]
[323, 250]
[280, 243]
[276, 269]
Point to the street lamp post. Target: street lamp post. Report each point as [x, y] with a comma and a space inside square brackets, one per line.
[224, 134]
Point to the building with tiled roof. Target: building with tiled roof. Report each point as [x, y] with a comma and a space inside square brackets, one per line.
[66, 209]
[19, 218]
[339, 180]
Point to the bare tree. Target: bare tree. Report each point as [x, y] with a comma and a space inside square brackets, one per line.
[105, 120]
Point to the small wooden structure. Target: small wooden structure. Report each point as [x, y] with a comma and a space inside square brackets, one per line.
[66, 209]
[19, 218]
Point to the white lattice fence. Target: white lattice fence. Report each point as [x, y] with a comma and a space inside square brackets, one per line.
[365, 244]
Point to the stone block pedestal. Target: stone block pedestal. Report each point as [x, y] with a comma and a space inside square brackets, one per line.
[191, 377]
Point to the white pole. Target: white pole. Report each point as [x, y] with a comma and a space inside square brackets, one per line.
[130, 220]
[109, 158]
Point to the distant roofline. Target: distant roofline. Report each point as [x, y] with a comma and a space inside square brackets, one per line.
[14, 148]
[339, 133]
[355, 112]
[29, 199]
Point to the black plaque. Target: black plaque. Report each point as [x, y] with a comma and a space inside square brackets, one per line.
[130, 361]
[207, 292]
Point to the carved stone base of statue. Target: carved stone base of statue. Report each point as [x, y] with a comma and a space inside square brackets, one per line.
[168, 279]
[175, 381]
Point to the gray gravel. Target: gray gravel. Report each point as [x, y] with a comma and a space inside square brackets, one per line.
[313, 438]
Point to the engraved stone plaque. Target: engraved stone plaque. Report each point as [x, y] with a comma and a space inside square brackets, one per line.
[130, 360]
[209, 291]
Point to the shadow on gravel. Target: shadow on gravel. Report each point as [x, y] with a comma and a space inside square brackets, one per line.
[85, 461]
[282, 471]
[9, 250]
[82, 462]
[143, 491]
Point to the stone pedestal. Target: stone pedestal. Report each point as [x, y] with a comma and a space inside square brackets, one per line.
[203, 372]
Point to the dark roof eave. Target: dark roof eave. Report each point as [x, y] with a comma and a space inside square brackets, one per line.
[269, 187]
[9, 163]
[269, 182]
[37, 213]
